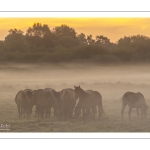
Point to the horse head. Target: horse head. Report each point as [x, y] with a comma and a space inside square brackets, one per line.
[77, 91]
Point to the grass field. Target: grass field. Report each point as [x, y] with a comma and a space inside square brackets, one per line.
[112, 82]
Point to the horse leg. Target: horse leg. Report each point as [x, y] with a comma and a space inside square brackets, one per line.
[137, 109]
[31, 110]
[49, 112]
[90, 114]
[41, 111]
[99, 112]
[130, 110]
[142, 113]
[38, 111]
[83, 113]
[23, 112]
[26, 112]
[19, 111]
[55, 112]
[46, 111]
[87, 113]
[35, 112]
[122, 111]
[65, 113]
[70, 113]
[93, 112]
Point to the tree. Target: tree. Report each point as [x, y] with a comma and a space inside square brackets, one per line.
[1, 44]
[38, 30]
[90, 40]
[40, 37]
[82, 38]
[133, 47]
[126, 41]
[67, 41]
[1, 48]
[15, 41]
[102, 40]
[134, 43]
[64, 30]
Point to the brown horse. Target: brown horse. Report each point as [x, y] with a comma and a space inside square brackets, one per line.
[134, 100]
[24, 101]
[88, 101]
[44, 101]
[55, 104]
[67, 103]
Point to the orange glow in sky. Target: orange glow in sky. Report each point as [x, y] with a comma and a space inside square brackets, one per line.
[113, 28]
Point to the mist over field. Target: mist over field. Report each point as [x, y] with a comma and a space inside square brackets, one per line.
[112, 81]
[108, 80]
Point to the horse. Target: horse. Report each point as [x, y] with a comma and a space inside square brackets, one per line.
[67, 103]
[134, 100]
[44, 101]
[88, 101]
[24, 101]
[55, 104]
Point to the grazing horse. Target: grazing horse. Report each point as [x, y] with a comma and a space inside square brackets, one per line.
[55, 104]
[67, 103]
[24, 101]
[88, 101]
[44, 101]
[134, 100]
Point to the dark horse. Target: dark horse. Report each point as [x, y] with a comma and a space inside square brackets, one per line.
[24, 101]
[134, 100]
[88, 101]
[67, 103]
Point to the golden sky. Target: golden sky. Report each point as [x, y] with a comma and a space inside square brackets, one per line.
[113, 28]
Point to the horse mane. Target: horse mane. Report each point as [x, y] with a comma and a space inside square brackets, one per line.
[84, 93]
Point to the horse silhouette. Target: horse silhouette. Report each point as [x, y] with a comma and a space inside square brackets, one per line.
[134, 100]
[88, 101]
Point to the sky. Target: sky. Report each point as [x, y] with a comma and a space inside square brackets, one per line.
[112, 28]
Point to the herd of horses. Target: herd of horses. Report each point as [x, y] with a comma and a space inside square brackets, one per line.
[71, 103]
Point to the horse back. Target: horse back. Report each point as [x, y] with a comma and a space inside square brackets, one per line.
[134, 100]
[21, 98]
[68, 97]
[95, 97]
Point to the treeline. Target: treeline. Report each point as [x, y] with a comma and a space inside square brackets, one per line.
[63, 44]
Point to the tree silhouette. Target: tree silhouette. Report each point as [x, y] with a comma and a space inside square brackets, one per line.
[15, 41]
[82, 38]
[64, 30]
[102, 40]
[90, 40]
[64, 44]
[40, 37]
